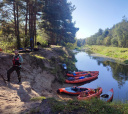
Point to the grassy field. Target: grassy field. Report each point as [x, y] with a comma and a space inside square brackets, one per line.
[120, 54]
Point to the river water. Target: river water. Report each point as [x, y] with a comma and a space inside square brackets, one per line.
[111, 75]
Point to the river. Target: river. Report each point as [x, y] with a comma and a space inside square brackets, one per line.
[111, 75]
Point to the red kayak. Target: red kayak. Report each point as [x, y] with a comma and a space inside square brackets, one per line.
[82, 73]
[86, 95]
[108, 96]
[85, 78]
[72, 90]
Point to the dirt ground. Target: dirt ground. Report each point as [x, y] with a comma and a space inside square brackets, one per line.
[36, 82]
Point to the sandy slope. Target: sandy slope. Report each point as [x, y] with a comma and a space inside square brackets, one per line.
[15, 98]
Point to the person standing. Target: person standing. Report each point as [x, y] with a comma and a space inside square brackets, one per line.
[17, 60]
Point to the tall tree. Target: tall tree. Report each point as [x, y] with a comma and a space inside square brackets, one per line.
[17, 25]
[58, 22]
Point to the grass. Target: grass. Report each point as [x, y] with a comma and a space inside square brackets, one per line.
[113, 52]
[38, 98]
[94, 106]
[39, 57]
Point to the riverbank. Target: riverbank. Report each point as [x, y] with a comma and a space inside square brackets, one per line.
[42, 74]
[114, 54]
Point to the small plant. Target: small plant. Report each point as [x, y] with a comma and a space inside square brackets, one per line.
[38, 98]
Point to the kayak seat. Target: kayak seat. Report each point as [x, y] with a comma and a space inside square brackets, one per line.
[89, 75]
[82, 77]
[71, 78]
[74, 74]
[105, 95]
[75, 89]
[83, 89]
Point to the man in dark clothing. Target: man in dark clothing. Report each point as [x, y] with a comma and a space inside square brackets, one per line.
[17, 60]
[38, 44]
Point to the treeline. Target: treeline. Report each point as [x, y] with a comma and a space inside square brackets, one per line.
[116, 36]
[21, 21]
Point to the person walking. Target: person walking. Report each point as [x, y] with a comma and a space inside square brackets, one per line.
[17, 60]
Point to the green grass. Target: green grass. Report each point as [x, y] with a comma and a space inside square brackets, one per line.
[39, 57]
[113, 52]
[94, 106]
[38, 98]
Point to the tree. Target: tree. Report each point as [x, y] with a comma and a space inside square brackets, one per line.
[107, 41]
[116, 36]
[114, 42]
[58, 22]
[80, 42]
[23, 16]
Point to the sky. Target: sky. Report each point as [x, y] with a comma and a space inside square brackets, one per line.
[91, 15]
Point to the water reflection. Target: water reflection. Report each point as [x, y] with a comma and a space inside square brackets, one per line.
[111, 74]
[119, 71]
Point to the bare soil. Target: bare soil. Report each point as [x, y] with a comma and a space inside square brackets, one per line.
[36, 82]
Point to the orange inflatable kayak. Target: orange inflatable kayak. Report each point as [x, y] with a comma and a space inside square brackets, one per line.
[86, 95]
[72, 90]
[85, 78]
[82, 73]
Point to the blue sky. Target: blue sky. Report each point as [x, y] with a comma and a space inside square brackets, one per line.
[90, 15]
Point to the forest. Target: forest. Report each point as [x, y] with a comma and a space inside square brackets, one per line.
[117, 36]
[23, 23]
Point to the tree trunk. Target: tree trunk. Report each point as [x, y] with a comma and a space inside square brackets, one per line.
[26, 27]
[35, 20]
[18, 38]
[31, 25]
[14, 11]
